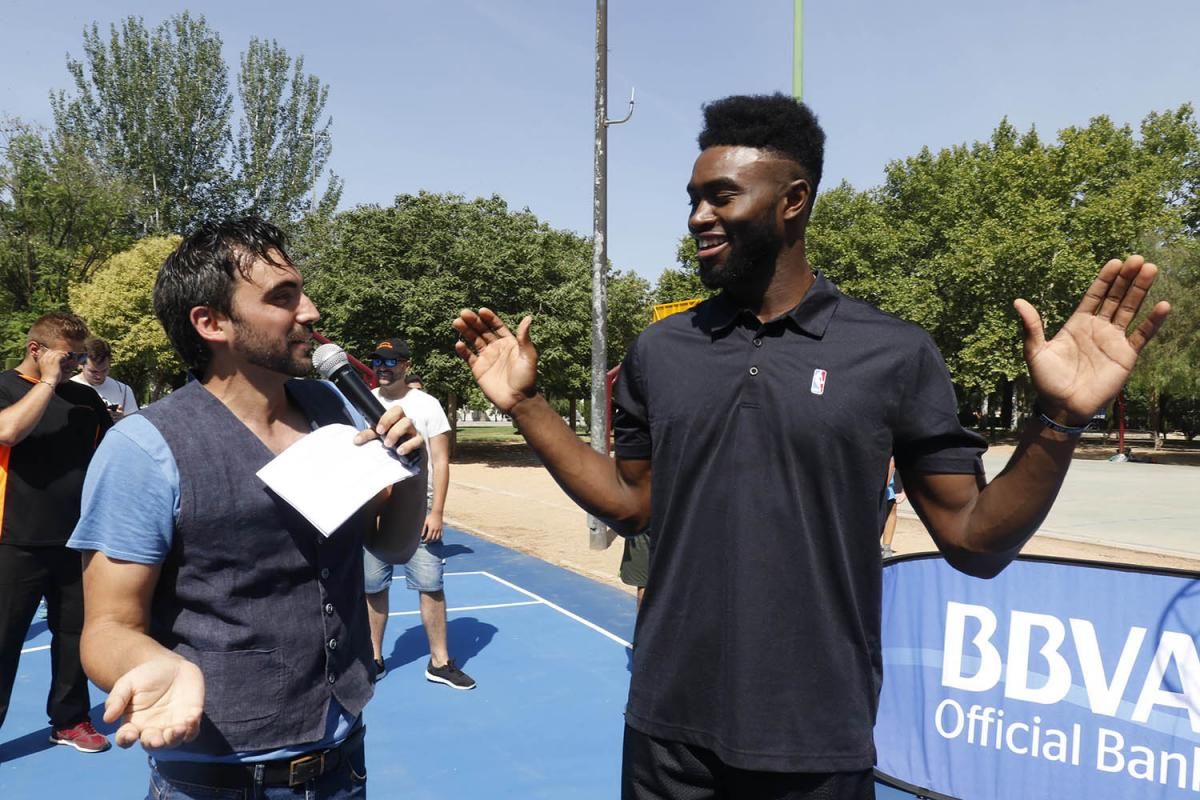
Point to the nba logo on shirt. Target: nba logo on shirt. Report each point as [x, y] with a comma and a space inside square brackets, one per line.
[818, 382]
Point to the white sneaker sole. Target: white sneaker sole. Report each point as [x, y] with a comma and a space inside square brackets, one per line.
[77, 747]
[429, 676]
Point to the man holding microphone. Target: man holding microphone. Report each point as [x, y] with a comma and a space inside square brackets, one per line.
[230, 632]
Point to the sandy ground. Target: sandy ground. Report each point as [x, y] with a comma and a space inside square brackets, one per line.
[501, 493]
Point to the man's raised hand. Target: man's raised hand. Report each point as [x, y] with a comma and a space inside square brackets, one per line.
[504, 365]
[1088, 361]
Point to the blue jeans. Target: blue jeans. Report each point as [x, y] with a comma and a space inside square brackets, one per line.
[347, 782]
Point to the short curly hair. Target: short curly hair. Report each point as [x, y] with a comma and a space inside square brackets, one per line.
[772, 122]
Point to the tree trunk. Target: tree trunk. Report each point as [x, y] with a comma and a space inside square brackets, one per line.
[452, 415]
[1159, 420]
[574, 404]
[1006, 403]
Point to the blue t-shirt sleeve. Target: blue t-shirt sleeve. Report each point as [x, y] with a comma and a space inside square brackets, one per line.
[130, 496]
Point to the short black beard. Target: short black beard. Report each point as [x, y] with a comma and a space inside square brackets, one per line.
[751, 261]
[268, 356]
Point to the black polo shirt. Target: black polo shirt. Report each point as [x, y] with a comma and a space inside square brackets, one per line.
[759, 634]
[41, 478]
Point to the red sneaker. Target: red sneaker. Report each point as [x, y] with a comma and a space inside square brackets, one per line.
[83, 737]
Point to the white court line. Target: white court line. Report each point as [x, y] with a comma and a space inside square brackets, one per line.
[468, 608]
[559, 609]
[537, 599]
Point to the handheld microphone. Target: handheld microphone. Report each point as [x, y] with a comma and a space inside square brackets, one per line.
[331, 361]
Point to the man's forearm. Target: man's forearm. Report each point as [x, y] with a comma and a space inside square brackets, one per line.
[108, 650]
[18, 420]
[589, 478]
[1014, 504]
[439, 455]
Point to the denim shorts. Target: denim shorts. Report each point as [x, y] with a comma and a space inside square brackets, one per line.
[423, 572]
[348, 781]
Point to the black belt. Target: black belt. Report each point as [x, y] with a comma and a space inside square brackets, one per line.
[282, 772]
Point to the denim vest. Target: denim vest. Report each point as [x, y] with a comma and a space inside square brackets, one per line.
[269, 609]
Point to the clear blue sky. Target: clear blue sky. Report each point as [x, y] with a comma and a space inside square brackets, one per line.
[480, 97]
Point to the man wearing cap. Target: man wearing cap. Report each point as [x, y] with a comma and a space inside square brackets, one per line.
[391, 361]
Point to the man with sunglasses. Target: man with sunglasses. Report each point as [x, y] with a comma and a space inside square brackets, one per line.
[49, 428]
[391, 361]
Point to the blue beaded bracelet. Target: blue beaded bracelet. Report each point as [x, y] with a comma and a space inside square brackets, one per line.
[1070, 430]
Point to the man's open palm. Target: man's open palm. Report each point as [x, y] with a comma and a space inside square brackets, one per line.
[504, 365]
[159, 702]
[1088, 361]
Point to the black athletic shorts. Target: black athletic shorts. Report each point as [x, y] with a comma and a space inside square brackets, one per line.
[659, 769]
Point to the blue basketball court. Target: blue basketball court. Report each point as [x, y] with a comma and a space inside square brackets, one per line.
[551, 653]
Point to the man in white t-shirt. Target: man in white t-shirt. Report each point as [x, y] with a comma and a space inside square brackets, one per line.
[116, 395]
[391, 360]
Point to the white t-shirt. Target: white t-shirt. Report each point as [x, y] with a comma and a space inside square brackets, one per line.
[427, 417]
[113, 391]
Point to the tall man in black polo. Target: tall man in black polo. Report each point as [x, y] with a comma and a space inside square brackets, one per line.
[49, 428]
[769, 413]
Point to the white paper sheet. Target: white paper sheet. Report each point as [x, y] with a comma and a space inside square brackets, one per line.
[327, 477]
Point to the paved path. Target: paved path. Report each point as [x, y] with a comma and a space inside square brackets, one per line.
[1152, 507]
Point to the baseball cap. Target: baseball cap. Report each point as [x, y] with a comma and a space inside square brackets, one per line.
[392, 348]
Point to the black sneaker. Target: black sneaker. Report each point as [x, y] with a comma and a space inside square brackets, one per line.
[450, 675]
[380, 669]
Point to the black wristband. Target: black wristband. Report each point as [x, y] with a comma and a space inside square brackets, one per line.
[1070, 430]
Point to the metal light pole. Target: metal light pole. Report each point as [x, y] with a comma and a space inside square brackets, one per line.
[798, 50]
[598, 537]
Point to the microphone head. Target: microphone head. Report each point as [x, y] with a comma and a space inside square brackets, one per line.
[328, 359]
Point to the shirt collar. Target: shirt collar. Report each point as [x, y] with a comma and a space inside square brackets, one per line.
[811, 315]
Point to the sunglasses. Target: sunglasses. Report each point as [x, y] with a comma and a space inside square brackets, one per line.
[390, 363]
[80, 358]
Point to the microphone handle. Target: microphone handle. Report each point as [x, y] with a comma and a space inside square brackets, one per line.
[353, 388]
[358, 394]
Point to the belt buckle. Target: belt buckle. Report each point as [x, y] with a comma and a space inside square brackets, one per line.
[306, 768]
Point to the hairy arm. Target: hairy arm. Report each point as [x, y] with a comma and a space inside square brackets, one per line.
[158, 694]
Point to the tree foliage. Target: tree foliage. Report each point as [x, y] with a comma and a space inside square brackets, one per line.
[117, 304]
[157, 109]
[61, 215]
[282, 144]
[408, 270]
[950, 239]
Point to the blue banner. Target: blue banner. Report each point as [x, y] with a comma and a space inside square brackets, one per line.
[1054, 679]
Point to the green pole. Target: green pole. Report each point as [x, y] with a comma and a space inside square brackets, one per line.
[798, 50]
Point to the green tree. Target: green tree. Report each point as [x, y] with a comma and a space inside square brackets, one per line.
[676, 284]
[1166, 381]
[628, 313]
[117, 303]
[282, 144]
[408, 270]
[157, 108]
[950, 239]
[61, 215]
